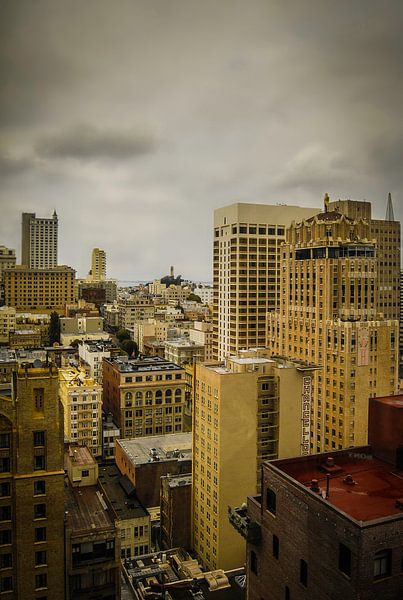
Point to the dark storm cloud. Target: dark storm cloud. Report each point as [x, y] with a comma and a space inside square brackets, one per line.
[86, 142]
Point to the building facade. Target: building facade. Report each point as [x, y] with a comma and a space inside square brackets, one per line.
[81, 397]
[32, 488]
[39, 241]
[246, 275]
[246, 410]
[29, 289]
[329, 315]
[98, 265]
[7, 323]
[145, 396]
[7, 261]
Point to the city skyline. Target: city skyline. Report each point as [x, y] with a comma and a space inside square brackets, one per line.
[135, 130]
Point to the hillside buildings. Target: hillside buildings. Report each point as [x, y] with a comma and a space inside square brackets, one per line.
[329, 315]
[39, 241]
[145, 396]
[32, 488]
[246, 271]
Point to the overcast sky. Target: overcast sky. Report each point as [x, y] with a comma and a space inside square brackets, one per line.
[135, 119]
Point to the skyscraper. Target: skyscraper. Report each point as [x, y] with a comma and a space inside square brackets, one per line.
[246, 252]
[98, 265]
[39, 241]
[329, 315]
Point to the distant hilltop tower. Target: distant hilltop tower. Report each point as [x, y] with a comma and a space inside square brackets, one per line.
[98, 265]
[172, 271]
[39, 241]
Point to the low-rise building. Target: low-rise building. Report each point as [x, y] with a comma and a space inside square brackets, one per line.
[135, 308]
[97, 292]
[147, 459]
[7, 323]
[132, 519]
[175, 513]
[145, 396]
[202, 333]
[25, 338]
[8, 365]
[92, 539]
[205, 293]
[82, 328]
[110, 433]
[81, 397]
[92, 352]
[183, 351]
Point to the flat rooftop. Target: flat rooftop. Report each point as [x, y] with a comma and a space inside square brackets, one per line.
[170, 446]
[121, 493]
[144, 365]
[7, 355]
[87, 510]
[361, 486]
[79, 455]
[179, 480]
[396, 401]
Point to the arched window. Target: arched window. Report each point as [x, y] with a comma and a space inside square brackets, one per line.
[168, 396]
[139, 399]
[158, 397]
[128, 396]
[178, 395]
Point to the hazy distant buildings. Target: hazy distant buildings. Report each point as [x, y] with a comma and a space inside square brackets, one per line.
[246, 271]
[39, 241]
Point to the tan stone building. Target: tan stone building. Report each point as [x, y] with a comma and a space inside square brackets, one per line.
[246, 276]
[246, 410]
[145, 396]
[202, 333]
[134, 309]
[81, 397]
[183, 351]
[39, 289]
[98, 265]
[7, 261]
[329, 315]
[32, 488]
[82, 328]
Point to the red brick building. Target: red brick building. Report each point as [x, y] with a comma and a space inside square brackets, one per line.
[331, 525]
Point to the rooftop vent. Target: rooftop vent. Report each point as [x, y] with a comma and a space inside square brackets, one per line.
[348, 480]
[329, 466]
[315, 486]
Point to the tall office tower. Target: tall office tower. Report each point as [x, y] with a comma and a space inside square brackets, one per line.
[39, 241]
[98, 265]
[32, 488]
[246, 410]
[246, 251]
[387, 235]
[329, 315]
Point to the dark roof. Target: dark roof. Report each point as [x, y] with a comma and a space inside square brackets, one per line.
[333, 215]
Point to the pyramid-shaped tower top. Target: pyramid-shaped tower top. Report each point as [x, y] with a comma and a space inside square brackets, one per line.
[389, 210]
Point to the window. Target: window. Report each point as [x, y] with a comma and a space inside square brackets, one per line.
[39, 462]
[253, 562]
[40, 558]
[39, 511]
[6, 561]
[383, 564]
[5, 537]
[271, 501]
[40, 534]
[6, 584]
[85, 473]
[39, 438]
[287, 593]
[5, 489]
[303, 572]
[345, 559]
[276, 546]
[5, 464]
[39, 487]
[4, 440]
[5, 513]
[41, 580]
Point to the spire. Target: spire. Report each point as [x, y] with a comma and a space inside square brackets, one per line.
[389, 210]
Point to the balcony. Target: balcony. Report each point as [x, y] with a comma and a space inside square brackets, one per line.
[239, 519]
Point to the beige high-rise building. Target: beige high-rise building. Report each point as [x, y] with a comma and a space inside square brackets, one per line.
[329, 315]
[246, 410]
[39, 241]
[98, 265]
[387, 235]
[246, 253]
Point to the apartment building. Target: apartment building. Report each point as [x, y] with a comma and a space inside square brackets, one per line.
[7, 323]
[32, 488]
[202, 333]
[249, 409]
[33, 289]
[183, 351]
[39, 241]
[81, 397]
[82, 328]
[329, 315]
[145, 396]
[135, 308]
[246, 273]
[91, 354]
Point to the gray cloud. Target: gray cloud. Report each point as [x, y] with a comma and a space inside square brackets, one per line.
[86, 142]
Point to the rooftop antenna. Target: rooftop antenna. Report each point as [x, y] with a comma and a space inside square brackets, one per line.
[389, 210]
